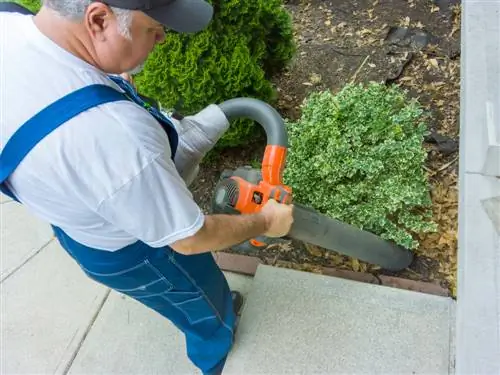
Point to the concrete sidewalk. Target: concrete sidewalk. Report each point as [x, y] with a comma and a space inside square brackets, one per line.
[55, 320]
[47, 303]
[296, 322]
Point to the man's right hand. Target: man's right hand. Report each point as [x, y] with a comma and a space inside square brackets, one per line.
[279, 218]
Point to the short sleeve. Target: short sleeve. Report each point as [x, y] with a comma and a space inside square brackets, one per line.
[155, 206]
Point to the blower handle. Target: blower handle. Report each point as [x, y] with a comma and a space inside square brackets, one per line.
[266, 116]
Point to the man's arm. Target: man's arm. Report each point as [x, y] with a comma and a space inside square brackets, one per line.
[222, 231]
[198, 134]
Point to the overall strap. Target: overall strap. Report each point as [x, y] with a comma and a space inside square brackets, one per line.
[46, 121]
[153, 108]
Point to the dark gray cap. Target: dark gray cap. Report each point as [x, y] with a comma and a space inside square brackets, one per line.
[183, 16]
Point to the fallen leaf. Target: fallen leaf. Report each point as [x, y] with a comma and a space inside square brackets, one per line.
[434, 8]
[314, 250]
[328, 22]
[372, 65]
[406, 21]
[315, 78]
[453, 31]
[434, 63]
[363, 267]
[364, 32]
[355, 265]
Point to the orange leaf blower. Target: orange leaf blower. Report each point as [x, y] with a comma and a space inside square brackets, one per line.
[246, 189]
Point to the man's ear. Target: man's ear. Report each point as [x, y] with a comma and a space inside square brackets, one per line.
[98, 18]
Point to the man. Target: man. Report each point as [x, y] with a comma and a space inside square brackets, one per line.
[81, 151]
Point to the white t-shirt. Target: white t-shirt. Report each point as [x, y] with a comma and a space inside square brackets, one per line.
[105, 177]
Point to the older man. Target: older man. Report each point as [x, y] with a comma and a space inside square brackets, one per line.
[83, 151]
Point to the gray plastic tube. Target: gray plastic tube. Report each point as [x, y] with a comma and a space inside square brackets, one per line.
[260, 112]
[314, 228]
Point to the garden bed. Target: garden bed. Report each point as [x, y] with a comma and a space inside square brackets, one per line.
[413, 43]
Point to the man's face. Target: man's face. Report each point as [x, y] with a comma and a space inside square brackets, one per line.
[118, 53]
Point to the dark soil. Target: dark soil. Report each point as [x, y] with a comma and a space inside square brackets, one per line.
[413, 43]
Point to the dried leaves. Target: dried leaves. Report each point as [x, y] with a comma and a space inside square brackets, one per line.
[442, 246]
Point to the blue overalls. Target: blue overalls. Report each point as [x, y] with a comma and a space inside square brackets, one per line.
[190, 291]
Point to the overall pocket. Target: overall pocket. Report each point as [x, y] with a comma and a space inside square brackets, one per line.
[138, 281]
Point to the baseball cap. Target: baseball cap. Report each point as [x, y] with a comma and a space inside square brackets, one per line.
[183, 16]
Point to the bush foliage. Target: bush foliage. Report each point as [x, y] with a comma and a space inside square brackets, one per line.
[32, 5]
[246, 43]
[358, 156]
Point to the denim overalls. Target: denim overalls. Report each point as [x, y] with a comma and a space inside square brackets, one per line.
[190, 291]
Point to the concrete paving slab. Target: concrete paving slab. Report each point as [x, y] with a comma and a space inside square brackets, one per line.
[22, 236]
[480, 85]
[4, 199]
[478, 311]
[47, 307]
[301, 323]
[128, 338]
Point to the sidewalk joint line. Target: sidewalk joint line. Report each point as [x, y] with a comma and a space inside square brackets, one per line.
[31, 256]
[85, 334]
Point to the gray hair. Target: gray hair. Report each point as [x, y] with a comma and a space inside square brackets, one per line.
[74, 10]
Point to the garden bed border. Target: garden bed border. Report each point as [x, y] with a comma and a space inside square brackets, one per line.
[247, 265]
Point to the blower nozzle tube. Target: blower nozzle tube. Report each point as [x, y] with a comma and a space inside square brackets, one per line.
[262, 113]
[314, 228]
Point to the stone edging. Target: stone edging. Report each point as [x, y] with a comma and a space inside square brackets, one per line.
[247, 265]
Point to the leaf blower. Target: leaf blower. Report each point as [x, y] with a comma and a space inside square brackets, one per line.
[245, 190]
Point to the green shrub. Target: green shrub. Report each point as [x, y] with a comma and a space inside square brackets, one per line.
[246, 43]
[33, 5]
[358, 156]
